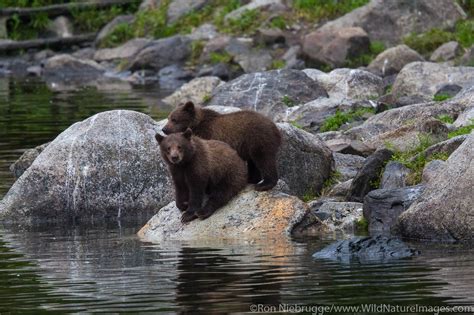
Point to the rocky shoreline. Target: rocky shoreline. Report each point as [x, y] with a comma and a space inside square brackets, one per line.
[388, 145]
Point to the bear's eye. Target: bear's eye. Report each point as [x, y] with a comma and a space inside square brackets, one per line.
[168, 149]
[179, 147]
[173, 120]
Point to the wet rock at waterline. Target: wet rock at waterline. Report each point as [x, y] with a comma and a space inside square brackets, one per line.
[366, 250]
[382, 207]
[250, 215]
[65, 68]
[337, 216]
[107, 166]
[445, 209]
[271, 93]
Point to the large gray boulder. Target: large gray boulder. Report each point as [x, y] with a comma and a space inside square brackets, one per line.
[179, 8]
[26, 159]
[270, 93]
[196, 91]
[445, 209]
[161, 53]
[424, 79]
[392, 60]
[304, 161]
[107, 166]
[389, 21]
[250, 215]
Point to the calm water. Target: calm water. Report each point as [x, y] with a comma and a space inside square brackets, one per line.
[107, 269]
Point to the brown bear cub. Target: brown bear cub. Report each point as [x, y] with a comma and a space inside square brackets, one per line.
[200, 167]
[255, 137]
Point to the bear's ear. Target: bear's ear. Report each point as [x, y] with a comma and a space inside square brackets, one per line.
[159, 137]
[188, 133]
[189, 107]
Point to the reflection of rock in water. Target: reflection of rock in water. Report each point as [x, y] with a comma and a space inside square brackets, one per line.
[205, 276]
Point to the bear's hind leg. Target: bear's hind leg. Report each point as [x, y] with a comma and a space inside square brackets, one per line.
[254, 174]
[218, 198]
[268, 168]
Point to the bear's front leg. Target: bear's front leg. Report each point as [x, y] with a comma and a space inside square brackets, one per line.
[180, 189]
[196, 196]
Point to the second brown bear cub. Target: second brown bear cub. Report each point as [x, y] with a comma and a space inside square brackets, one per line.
[255, 137]
[199, 167]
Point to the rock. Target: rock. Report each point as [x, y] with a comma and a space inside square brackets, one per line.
[26, 159]
[43, 54]
[173, 77]
[84, 53]
[338, 216]
[205, 31]
[403, 124]
[196, 91]
[14, 67]
[179, 8]
[35, 71]
[431, 169]
[291, 58]
[366, 250]
[348, 146]
[247, 57]
[363, 183]
[392, 60]
[447, 51]
[444, 147]
[221, 70]
[125, 51]
[312, 115]
[444, 211]
[149, 5]
[301, 150]
[161, 53]
[66, 68]
[340, 190]
[468, 58]
[347, 165]
[425, 78]
[448, 90]
[107, 166]
[61, 26]
[111, 26]
[270, 36]
[389, 21]
[266, 5]
[382, 207]
[270, 93]
[394, 175]
[353, 84]
[466, 118]
[334, 47]
[250, 215]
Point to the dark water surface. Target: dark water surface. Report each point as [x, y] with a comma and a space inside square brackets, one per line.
[58, 269]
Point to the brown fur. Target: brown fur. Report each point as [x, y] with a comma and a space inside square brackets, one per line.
[255, 137]
[200, 167]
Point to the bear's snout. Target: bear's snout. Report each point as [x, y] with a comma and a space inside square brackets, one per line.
[166, 130]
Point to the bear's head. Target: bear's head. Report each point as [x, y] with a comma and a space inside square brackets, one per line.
[176, 148]
[181, 118]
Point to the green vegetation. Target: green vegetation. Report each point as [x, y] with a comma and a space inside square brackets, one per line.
[309, 195]
[426, 43]
[196, 50]
[362, 225]
[220, 57]
[445, 118]
[334, 178]
[317, 10]
[206, 98]
[278, 64]
[296, 124]
[288, 101]
[441, 97]
[278, 22]
[375, 48]
[248, 22]
[462, 130]
[335, 121]
[415, 158]
[121, 33]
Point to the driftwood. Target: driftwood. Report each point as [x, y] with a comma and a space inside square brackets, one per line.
[61, 9]
[46, 42]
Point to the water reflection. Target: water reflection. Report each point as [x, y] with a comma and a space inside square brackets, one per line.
[106, 268]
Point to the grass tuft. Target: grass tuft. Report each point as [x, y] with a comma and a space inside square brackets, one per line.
[335, 121]
[441, 97]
